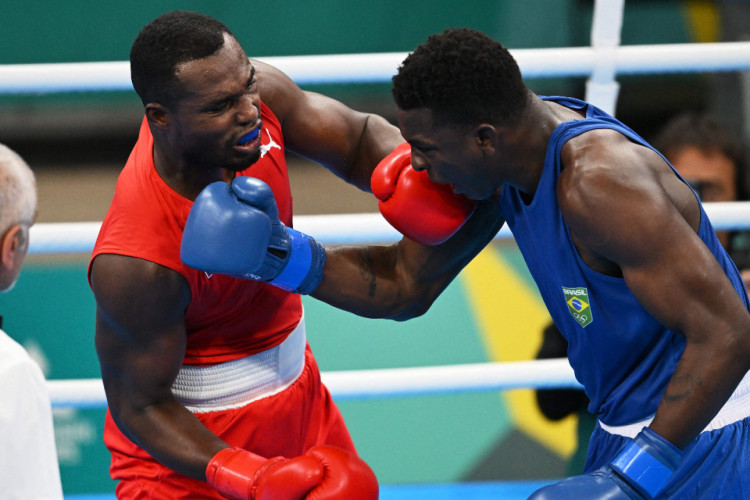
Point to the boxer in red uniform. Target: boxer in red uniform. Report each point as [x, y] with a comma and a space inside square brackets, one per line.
[212, 388]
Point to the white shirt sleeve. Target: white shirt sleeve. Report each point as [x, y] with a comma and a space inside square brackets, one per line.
[28, 457]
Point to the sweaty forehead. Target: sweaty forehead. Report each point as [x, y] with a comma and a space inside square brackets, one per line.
[421, 127]
[223, 66]
[416, 123]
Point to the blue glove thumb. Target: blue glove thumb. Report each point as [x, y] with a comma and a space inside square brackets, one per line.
[258, 194]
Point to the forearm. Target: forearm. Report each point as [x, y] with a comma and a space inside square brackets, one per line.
[172, 435]
[365, 280]
[704, 379]
[402, 281]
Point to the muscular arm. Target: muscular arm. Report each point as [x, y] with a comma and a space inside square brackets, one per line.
[399, 281]
[402, 281]
[347, 142]
[140, 341]
[628, 212]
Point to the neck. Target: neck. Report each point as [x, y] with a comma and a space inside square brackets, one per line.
[184, 178]
[527, 144]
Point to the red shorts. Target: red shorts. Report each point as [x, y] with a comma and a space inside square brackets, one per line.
[285, 424]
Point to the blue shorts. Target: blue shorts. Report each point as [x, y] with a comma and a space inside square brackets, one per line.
[716, 465]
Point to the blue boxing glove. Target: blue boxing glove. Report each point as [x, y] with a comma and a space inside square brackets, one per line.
[235, 230]
[639, 471]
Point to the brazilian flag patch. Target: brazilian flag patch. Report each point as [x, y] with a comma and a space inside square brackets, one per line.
[578, 304]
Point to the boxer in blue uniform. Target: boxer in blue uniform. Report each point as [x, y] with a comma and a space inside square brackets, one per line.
[620, 352]
[655, 313]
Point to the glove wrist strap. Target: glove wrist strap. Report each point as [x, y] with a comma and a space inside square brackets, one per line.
[233, 471]
[304, 269]
[647, 462]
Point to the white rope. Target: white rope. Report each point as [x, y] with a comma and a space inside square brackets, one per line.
[391, 382]
[548, 373]
[380, 67]
[71, 237]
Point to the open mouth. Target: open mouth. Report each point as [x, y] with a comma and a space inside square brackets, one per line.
[249, 137]
[249, 142]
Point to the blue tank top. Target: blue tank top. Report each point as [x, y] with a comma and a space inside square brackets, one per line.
[621, 354]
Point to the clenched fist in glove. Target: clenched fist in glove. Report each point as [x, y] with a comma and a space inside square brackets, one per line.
[234, 229]
[418, 208]
[323, 473]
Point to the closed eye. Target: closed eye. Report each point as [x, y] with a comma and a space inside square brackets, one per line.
[220, 106]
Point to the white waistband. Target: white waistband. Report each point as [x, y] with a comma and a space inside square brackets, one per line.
[735, 409]
[236, 383]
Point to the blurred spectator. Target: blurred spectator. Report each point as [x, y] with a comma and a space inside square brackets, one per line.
[712, 159]
[28, 461]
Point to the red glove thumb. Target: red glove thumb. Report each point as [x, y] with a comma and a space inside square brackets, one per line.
[386, 173]
[347, 477]
[289, 480]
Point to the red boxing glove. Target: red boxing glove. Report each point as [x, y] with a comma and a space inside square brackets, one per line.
[323, 473]
[422, 210]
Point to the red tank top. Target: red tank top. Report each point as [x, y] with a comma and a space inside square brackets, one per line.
[227, 318]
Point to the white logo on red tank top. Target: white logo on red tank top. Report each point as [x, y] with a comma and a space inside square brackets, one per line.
[265, 148]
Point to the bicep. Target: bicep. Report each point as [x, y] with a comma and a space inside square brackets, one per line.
[140, 333]
[678, 280]
[347, 142]
[322, 129]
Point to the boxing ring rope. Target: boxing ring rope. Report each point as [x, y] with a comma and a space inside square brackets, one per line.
[380, 67]
[72, 237]
[348, 385]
